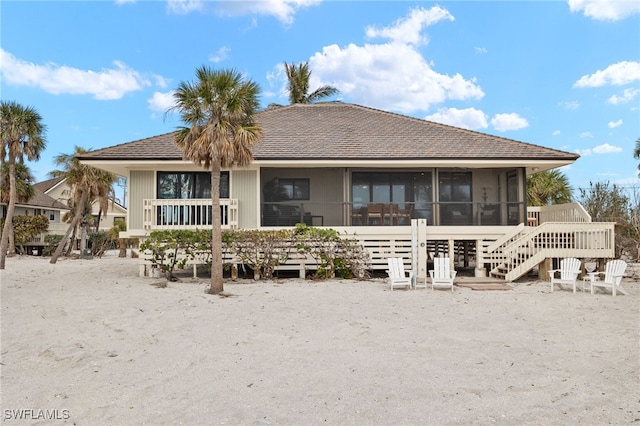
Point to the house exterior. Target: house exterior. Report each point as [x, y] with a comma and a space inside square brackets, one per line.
[40, 204]
[58, 189]
[358, 170]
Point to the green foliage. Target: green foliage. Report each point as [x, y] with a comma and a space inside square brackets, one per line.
[24, 183]
[333, 254]
[605, 203]
[611, 204]
[27, 227]
[102, 241]
[170, 249]
[51, 241]
[548, 187]
[262, 251]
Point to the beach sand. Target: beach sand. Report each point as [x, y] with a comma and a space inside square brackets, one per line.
[91, 343]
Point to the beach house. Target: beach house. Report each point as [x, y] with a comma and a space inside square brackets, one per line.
[404, 186]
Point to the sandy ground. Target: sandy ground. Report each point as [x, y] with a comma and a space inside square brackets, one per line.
[90, 343]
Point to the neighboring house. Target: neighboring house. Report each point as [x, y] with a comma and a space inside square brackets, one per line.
[40, 204]
[58, 189]
[370, 172]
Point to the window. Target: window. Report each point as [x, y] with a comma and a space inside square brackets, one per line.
[295, 189]
[187, 185]
[411, 191]
[455, 198]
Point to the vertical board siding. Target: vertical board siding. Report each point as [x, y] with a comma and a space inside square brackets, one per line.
[244, 188]
[141, 187]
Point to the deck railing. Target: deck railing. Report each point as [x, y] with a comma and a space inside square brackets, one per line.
[54, 229]
[288, 213]
[570, 212]
[193, 213]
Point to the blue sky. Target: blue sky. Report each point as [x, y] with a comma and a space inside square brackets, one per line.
[562, 74]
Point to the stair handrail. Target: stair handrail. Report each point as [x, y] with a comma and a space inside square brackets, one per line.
[505, 238]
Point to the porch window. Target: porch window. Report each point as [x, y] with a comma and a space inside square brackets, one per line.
[454, 191]
[405, 195]
[295, 189]
[188, 185]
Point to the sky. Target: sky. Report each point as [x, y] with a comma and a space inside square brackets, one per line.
[561, 74]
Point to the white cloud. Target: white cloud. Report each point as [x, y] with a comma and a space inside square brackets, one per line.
[480, 50]
[220, 55]
[627, 96]
[161, 101]
[605, 10]
[556, 132]
[605, 148]
[469, 118]
[570, 104]
[618, 74]
[586, 135]
[512, 121]
[409, 30]
[391, 76]
[183, 7]
[614, 124]
[283, 10]
[106, 84]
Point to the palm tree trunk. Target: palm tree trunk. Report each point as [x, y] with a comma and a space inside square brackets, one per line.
[8, 221]
[72, 226]
[216, 232]
[72, 239]
[12, 242]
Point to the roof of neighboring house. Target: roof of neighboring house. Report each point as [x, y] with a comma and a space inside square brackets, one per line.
[46, 185]
[327, 131]
[40, 199]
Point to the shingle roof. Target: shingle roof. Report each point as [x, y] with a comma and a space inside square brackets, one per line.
[40, 199]
[328, 131]
[46, 185]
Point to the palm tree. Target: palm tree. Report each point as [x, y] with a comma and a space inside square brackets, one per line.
[218, 110]
[87, 185]
[298, 76]
[24, 183]
[636, 153]
[23, 135]
[24, 191]
[548, 187]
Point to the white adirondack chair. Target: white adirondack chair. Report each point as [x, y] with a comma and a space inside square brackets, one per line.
[398, 277]
[441, 274]
[613, 273]
[569, 271]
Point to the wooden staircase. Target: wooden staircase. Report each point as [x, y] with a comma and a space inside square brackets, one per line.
[522, 249]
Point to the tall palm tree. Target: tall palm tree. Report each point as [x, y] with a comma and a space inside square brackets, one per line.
[23, 135]
[298, 76]
[548, 187]
[24, 183]
[218, 111]
[24, 191]
[87, 185]
[636, 153]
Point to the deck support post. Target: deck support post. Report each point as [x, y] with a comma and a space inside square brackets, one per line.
[480, 269]
[452, 252]
[543, 269]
